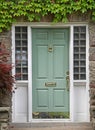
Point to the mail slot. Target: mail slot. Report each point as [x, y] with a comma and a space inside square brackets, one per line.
[50, 84]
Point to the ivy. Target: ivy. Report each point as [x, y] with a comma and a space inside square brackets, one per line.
[34, 10]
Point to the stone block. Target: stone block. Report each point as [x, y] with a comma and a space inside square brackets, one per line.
[4, 115]
[92, 54]
[4, 126]
[92, 71]
[4, 118]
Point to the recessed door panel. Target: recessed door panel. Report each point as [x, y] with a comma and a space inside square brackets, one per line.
[42, 61]
[57, 102]
[42, 96]
[58, 63]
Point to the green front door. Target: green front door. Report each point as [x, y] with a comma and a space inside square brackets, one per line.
[50, 68]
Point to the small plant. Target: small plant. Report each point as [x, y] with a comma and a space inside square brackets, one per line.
[6, 78]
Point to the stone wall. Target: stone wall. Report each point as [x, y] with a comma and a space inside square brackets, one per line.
[4, 118]
[92, 71]
[5, 99]
[5, 38]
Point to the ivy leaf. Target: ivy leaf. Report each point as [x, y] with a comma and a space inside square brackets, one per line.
[1, 29]
[37, 10]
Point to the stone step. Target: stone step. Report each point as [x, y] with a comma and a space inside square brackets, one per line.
[52, 126]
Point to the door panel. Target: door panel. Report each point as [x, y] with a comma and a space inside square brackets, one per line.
[58, 63]
[57, 102]
[50, 64]
[42, 61]
[42, 96]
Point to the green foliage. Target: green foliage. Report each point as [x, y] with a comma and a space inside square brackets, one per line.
[33, 10]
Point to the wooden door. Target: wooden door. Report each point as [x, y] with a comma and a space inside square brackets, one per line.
[50, 53]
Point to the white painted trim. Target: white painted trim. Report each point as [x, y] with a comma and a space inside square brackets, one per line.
[13, 71]
[29, 74]
[50, 120]
[71, 74]
[87, 73]
[71, 92]
[50, 25]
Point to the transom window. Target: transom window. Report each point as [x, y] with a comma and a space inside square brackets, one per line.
[79, 60]
[21, 52]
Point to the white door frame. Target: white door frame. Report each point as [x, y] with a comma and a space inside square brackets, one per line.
[50, 25]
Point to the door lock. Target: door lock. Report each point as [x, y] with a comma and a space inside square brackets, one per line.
[67, 81]
[50, 48]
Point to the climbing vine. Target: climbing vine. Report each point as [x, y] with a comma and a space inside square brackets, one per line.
[34, 10]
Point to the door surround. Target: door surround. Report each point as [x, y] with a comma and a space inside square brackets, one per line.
[49, 25]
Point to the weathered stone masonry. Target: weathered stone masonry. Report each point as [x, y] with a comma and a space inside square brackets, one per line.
[4, 118]
[92, 71]
[5, 99]
[5, 38]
